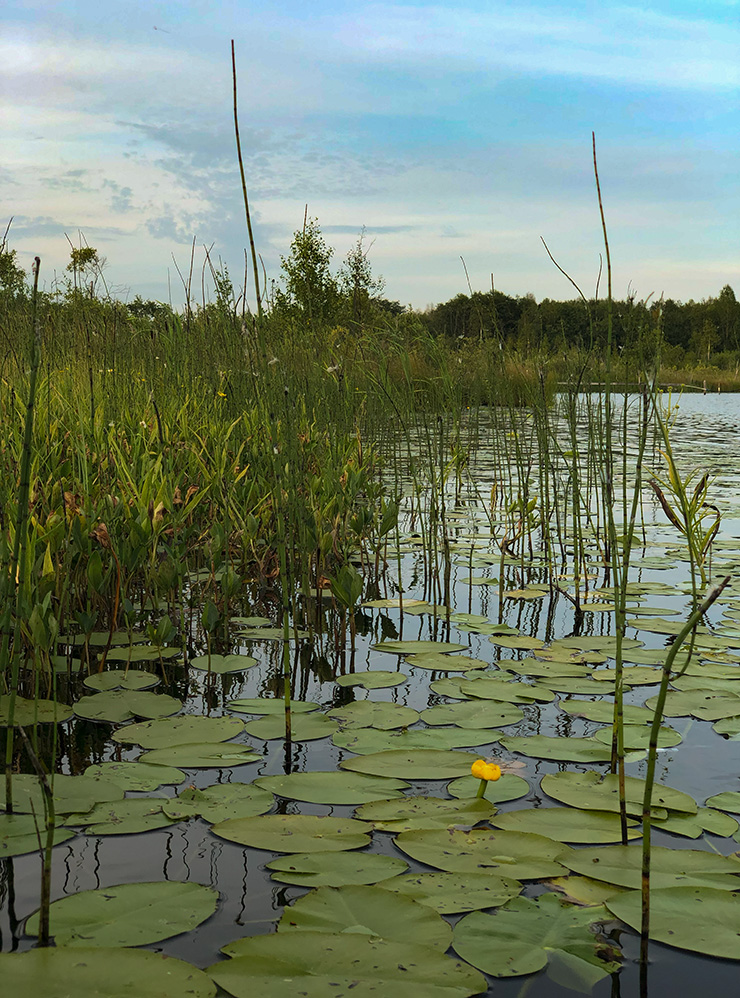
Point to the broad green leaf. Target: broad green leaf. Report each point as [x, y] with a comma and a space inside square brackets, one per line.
[336, 869]
[421, 764]
[202, 755]
[72, 794]
[418, 647]
[517, 641]
[473, 714]
[222, 664]
[365, 741]
[374, 714]
[561, 748]
[438, 662]
[128, 915]
[182, 730]
[602, 711]
[544, 670]
[303, 727]
[359, 908]
[377, 679]
[94, 973]
[693, 826]
[491, 687]
[331, 965]
[30, 712]
[18, 834]
[727, 801]
[521, 937]
[565, 824]
[583, 890]
[123, 705]
[622, 865]
[123, 679]
[295, 833]
[637, 737]
[331, 787]
[707, 705]
[219, 802]
[270, 705]
[451, 893]
[508, 787]
[123, 817]
[699, 919]
[407, 813]
[601, 793]
[521, 855]
[271, 634]
[136, 775]
[143, 653]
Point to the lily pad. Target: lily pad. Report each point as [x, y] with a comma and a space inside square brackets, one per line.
[602, 711]
[142, 653]
[182, 730]
[622, 865]
[525, 934]
[303, 727]
[424, 812]
[473, 714]
[377, 679]
[123, 817]
[727, 801]
[91, 973]
[422, 764]
[508, 787]
[369, 910]
[365, 741]
[121, 679]
[270, 705]
[19, 835]
[418, 647]
[71, 793]
[561, 748]
[295, 833]
[136, 775]
[128, 914]
[222, 664]
[504, 690]
[336, 869]
[123, 705]
[592, 790]
[30, 712]
[328, 965]
[219, 802]
[637, 737]
[693, 826]
[707, 705]
[566, 824]
[451, 893]
[520, 855]
[699, 919]
[332, 787]
[438, 662]
[202, 755]
[374, 714]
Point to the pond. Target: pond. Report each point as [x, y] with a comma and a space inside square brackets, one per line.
[465, 652]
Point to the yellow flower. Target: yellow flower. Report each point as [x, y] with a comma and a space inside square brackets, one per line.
[485, 770]
[221, 395]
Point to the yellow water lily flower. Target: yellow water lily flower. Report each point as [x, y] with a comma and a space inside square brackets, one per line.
[485, 770]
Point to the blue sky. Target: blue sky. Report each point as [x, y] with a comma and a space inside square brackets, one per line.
[446, 129]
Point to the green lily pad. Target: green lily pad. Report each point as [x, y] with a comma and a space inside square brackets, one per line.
[136, 775]
[602, 711]
[637, 737]
[121, 679]
[728, 727]
[418, 647]
[219, 802]
[123, 817]
[693, 826]
[694, 918]
[508, 787]
[18, 834]
[473, 714]
[490, 687]
[128, 915]
[421, 764]
[583, 890]
[543, 670]
[303, 727]
[520, 855]
[524, 935]
[707, 705]
[592, 790]
[438, 662]
[562, 748]
[117, 706]
[270, 705]
[727, 801]
[632, 675]
[366, 741]
[622, 865]
[222, 664]
[142, 653]
[328, 965]
[377, 679]
[30, 712]
[100, 639]
[410, 813]
[182, 730]
[332, 787]
[203, 755]
[91, 973]
[295, 833]
[566, 824]
[72, 794]
[336, 869]
[360, 908]
[451, 893]
[250, 622]
[374, 714]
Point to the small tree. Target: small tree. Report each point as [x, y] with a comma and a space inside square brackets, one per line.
[311, 294]
[12, 277]
[357, 286]
[85, 265]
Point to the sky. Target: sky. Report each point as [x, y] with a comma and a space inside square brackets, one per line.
[447, 130]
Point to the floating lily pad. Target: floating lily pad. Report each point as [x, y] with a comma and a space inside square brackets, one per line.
[270, 705]
[566, 824]
[473, 714]
[143, 653]
[437, 662]
[222, 664]
[424, 812]
[377, 679]
[328, 965]
[91, 973]
[336, 869]
[136, 775]
[30, 712]
[583, 890]
[359, 908]
[72, 794]
[622, 865]
[332, 787]
[694, 918]
[365, 741]
[123, 817]
[451, 893]
[181, 730]
[421, 764]
[303, 727]
[637, 737]
[203, 755]
[250, 622]
[271, 634]
[121, 679]
[127, 915]
[521, 855]
[295, 833]
[693, 826]
[508, 787]
[602, 711]
[100, 638]
[374, 714]
[728, 727]
[117, 706]
[592, 790]
[496, 688]
[707, 705]
[727, 801]
[546, 670]
[219, 802]
[418, 647]
[562, 748]
[632, 675]
[19, 834]
[525, 934]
